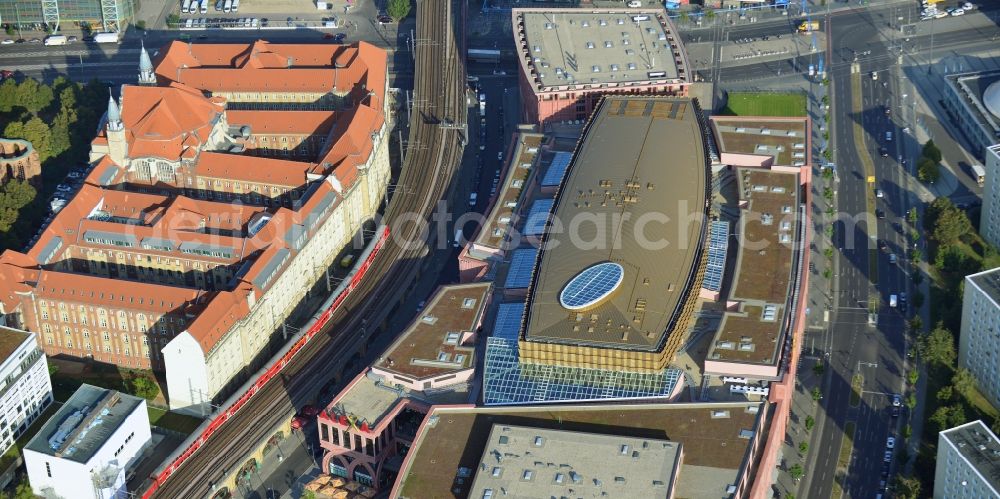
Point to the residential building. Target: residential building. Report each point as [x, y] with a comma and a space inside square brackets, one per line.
[89, 446]
[980, 323]
[19, 160]
[697, 451]
[101, 15]
[569, 58]
[968, 462]
[190, 243]
[25, 386]
[493, 238]
[367, 428]
[973, 103]
[989, 220]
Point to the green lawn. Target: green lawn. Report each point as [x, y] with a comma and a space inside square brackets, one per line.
[172, 421]
[765, 104]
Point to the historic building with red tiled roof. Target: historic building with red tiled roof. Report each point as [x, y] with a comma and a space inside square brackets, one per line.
[212, 208]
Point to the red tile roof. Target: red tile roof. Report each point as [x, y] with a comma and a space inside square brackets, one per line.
[284, 122]
[252, 169]
[162, 121]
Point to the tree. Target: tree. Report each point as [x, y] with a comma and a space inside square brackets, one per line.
[938, 346]
[141, 386]
[709, 14]
[803, 447]
[948, 417]
[916, 323]
[911, 401]
[964, 383]
[907, 487]
[931, 152]
[946, 394]
[23, 490]
[398, 9]
[14, 195]
[173, 20]
[913, 376]
[950, 225]
[911, 216]
[810, 423]
[140, 25]
[8, 95]
[816, 394]
[35, 131]
[819, 369]
[927, 170]
[796, 472]
[34, 96]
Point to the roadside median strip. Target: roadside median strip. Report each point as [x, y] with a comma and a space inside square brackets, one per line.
[857, 381]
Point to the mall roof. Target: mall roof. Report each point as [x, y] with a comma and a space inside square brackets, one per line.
[440, 339]
[784, 139]
[523, 461]
[565, 48]
[83, 424]
[637, 156]
[500, 217]
[715, 437]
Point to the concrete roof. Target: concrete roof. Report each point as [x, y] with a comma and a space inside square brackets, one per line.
[988, 282]
[979, 447]
[453, 310]
[537, 462]
[784, 139]
[499, 219]
[452, 441]
[369, 399]
[639, 156]
[569, 47]
[80, 441]
[974, 90]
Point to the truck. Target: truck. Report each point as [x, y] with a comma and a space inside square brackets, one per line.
[236, 5]
[228, 6]
[186, 6]
[979, 173]
[808, 26]
[204, 6]
[55, 40]
[106, 37]
[321, 6]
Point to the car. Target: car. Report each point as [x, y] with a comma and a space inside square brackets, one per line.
[219, 4]
[939, 15]
[310, 411]
[263, 22]
[74, 175]
[879, 193]
[897, 400]
[890, 443]
[19, 40]
[34, 40]
[883, 152]
[6, 73]
[874, 75]
[879, 214]
[7, 41]
[892, 258]
[420, 306]
[888, 111]
[895, 412]
[72, 39]
[957, 12]
[384, 19]
[500, 156]
[888, 456]
[902, 308]
[969, 6]
[882, 246]
[63, 188]
[328, 36]
[902, 297]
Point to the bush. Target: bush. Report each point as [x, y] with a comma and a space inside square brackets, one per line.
[140, 25]
[810, 423]
[398, 9]
[928, 170]
[816, 394]
[803, 447]
[931, 152]
[173, 20]
[796, 472]
[141, 386]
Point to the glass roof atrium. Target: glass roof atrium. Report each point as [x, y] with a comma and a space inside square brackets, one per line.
[591, 286]
[508, 381]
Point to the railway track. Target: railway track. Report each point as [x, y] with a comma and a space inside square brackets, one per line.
[438, 119]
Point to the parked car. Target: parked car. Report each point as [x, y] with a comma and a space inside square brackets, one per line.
[299, 422]
[310, 411]
[890, 443]
[897, 400]
[7, 41]
[72, 39]
[6, 73]
[383, 19]
[888, 456]
[879, 193]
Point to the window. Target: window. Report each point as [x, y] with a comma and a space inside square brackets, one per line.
[451, 338]
[45, 316]
[48, 469]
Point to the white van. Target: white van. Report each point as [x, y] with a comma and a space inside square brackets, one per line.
[888, 136]
[55, 40]
[635, 4]
[236, 5]
[893, 301]
[228, 6]
[472, 198]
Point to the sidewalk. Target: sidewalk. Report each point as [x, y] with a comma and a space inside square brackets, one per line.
[283, 469]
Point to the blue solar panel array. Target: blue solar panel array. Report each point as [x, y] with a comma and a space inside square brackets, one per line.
[508, 381]
[538, 217]
[718, 244]
[591, 285]
[507, 324]
[522, 262]
[557, 169]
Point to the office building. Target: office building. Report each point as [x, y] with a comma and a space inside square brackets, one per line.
[989, 220]
[978, 339]
[968, 462]
[89, 446]
[195, 236]
[569, 58]
[25, 386]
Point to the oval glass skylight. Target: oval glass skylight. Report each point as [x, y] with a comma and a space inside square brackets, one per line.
[592, 285]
